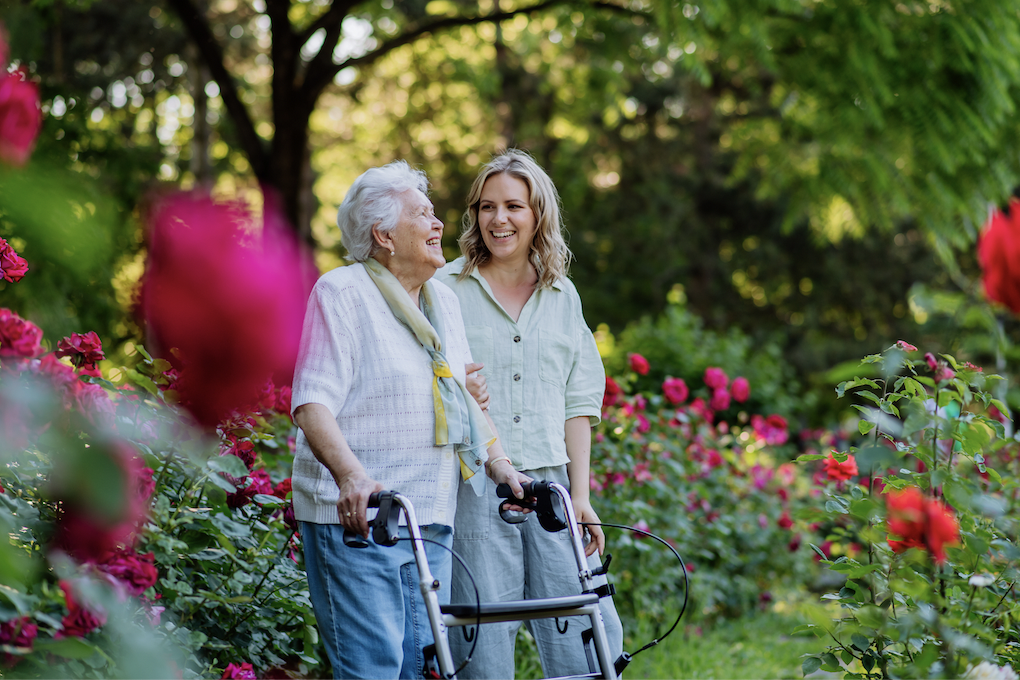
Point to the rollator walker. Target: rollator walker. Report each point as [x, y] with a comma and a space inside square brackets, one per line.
[555, 513]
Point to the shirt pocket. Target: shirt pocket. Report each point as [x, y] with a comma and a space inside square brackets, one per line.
[480, 342]
[555, 357]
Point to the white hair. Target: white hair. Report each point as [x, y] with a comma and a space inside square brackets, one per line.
[373, 201]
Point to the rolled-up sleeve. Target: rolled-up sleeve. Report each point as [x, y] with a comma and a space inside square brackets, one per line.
[325, 366]
[586, 383]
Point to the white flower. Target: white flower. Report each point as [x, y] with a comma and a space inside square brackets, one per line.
[989, 671]
[981, 580]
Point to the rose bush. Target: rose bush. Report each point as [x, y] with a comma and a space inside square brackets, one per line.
[929, 493]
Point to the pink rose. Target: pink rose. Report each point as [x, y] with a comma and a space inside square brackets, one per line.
[13, 267]
[720, 400]
[785, 521]
[18, 337]
[675, 390]
[905, 346]
[740, 390]
[771, 429]
[612, 393]
[638, 364]
[19, 632]
[244, 671]
[20, 117]
[716, 378]
[83, 349]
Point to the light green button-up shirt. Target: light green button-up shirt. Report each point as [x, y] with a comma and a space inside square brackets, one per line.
[541, 370]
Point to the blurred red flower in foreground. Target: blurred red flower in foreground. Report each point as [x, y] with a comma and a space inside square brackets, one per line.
[612, 393]
[229, 299]
[84, 349]
[998, 252]
[638, 364]
[838, 471]
[920, 522]
[12, 266]
[96, 518]
[136, 572]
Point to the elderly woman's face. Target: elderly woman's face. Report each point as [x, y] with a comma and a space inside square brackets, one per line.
[417, 238]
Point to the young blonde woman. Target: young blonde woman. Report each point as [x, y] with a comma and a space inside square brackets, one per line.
[545, 381]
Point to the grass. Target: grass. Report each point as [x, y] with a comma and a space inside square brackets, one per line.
[755, 647]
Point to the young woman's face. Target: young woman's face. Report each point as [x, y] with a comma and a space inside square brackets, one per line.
[505, 217]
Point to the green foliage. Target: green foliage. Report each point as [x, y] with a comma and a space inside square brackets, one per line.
[218, 528]
[918, 601]
[722, 494]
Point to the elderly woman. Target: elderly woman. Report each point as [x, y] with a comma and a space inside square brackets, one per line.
[380, 400]
[545, 381]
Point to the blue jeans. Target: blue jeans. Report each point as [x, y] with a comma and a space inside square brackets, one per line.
[368, 604]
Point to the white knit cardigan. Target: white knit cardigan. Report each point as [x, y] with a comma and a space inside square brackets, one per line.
[374, 376]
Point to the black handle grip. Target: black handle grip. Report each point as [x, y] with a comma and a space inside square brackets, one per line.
[352, 540]
[373, 500]
[504, 491]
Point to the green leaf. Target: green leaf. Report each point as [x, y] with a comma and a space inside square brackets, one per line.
[810, 665]
[860, 642]
[230, 464]
[266, 499]
[818, 551]
[829, 663]
[864, 427]
[68, 647]
[871, 616]
[230, 527]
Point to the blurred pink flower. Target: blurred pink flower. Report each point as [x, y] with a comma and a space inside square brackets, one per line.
[763, 520]
[840, 471]
[13, 267]
[20, 117]
[905, 346]
[699, 407]
[642, 473]
[771, 429]
[785, 521]
[998, 252]
[229, 298]
[640, 525]
[943, 372]
[643, 424]
[929, 358]
[638, 364]
[84, 349]
[720, 400]
[740, 389]
[675, 390]
[716, 378]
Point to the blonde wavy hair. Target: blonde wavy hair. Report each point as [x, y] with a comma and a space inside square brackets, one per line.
[549, 252]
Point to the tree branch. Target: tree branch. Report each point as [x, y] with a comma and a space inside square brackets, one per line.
[321, 79]
[198, 28]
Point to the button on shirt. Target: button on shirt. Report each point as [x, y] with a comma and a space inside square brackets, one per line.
[541, 370]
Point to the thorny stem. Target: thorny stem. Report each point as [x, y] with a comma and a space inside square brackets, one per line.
[1003, 598]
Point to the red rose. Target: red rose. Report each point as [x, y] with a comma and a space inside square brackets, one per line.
[720, 400]
[137, 572]
[740, 389]
[998, 252]
[18, 337]
[20, 117]
[12, 266]
[232, 305]
[838, 471]
[716, 378]
[243, 672]
[675, 390]
[79, 620]
[84, 349]
[638, 364]
[785, 521]
[612, 394]
[283, 488]
[920, 522]
[19, 632]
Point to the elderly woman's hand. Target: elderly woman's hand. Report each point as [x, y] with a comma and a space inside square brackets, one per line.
[502, 472]
[353, 504]
[476, 385]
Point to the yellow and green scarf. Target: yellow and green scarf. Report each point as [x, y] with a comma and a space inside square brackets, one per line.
[459, 420]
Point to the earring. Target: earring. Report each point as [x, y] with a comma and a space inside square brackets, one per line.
[392, 252]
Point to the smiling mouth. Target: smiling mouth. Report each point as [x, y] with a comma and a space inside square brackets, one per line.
[432, 242]
[503, 234]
